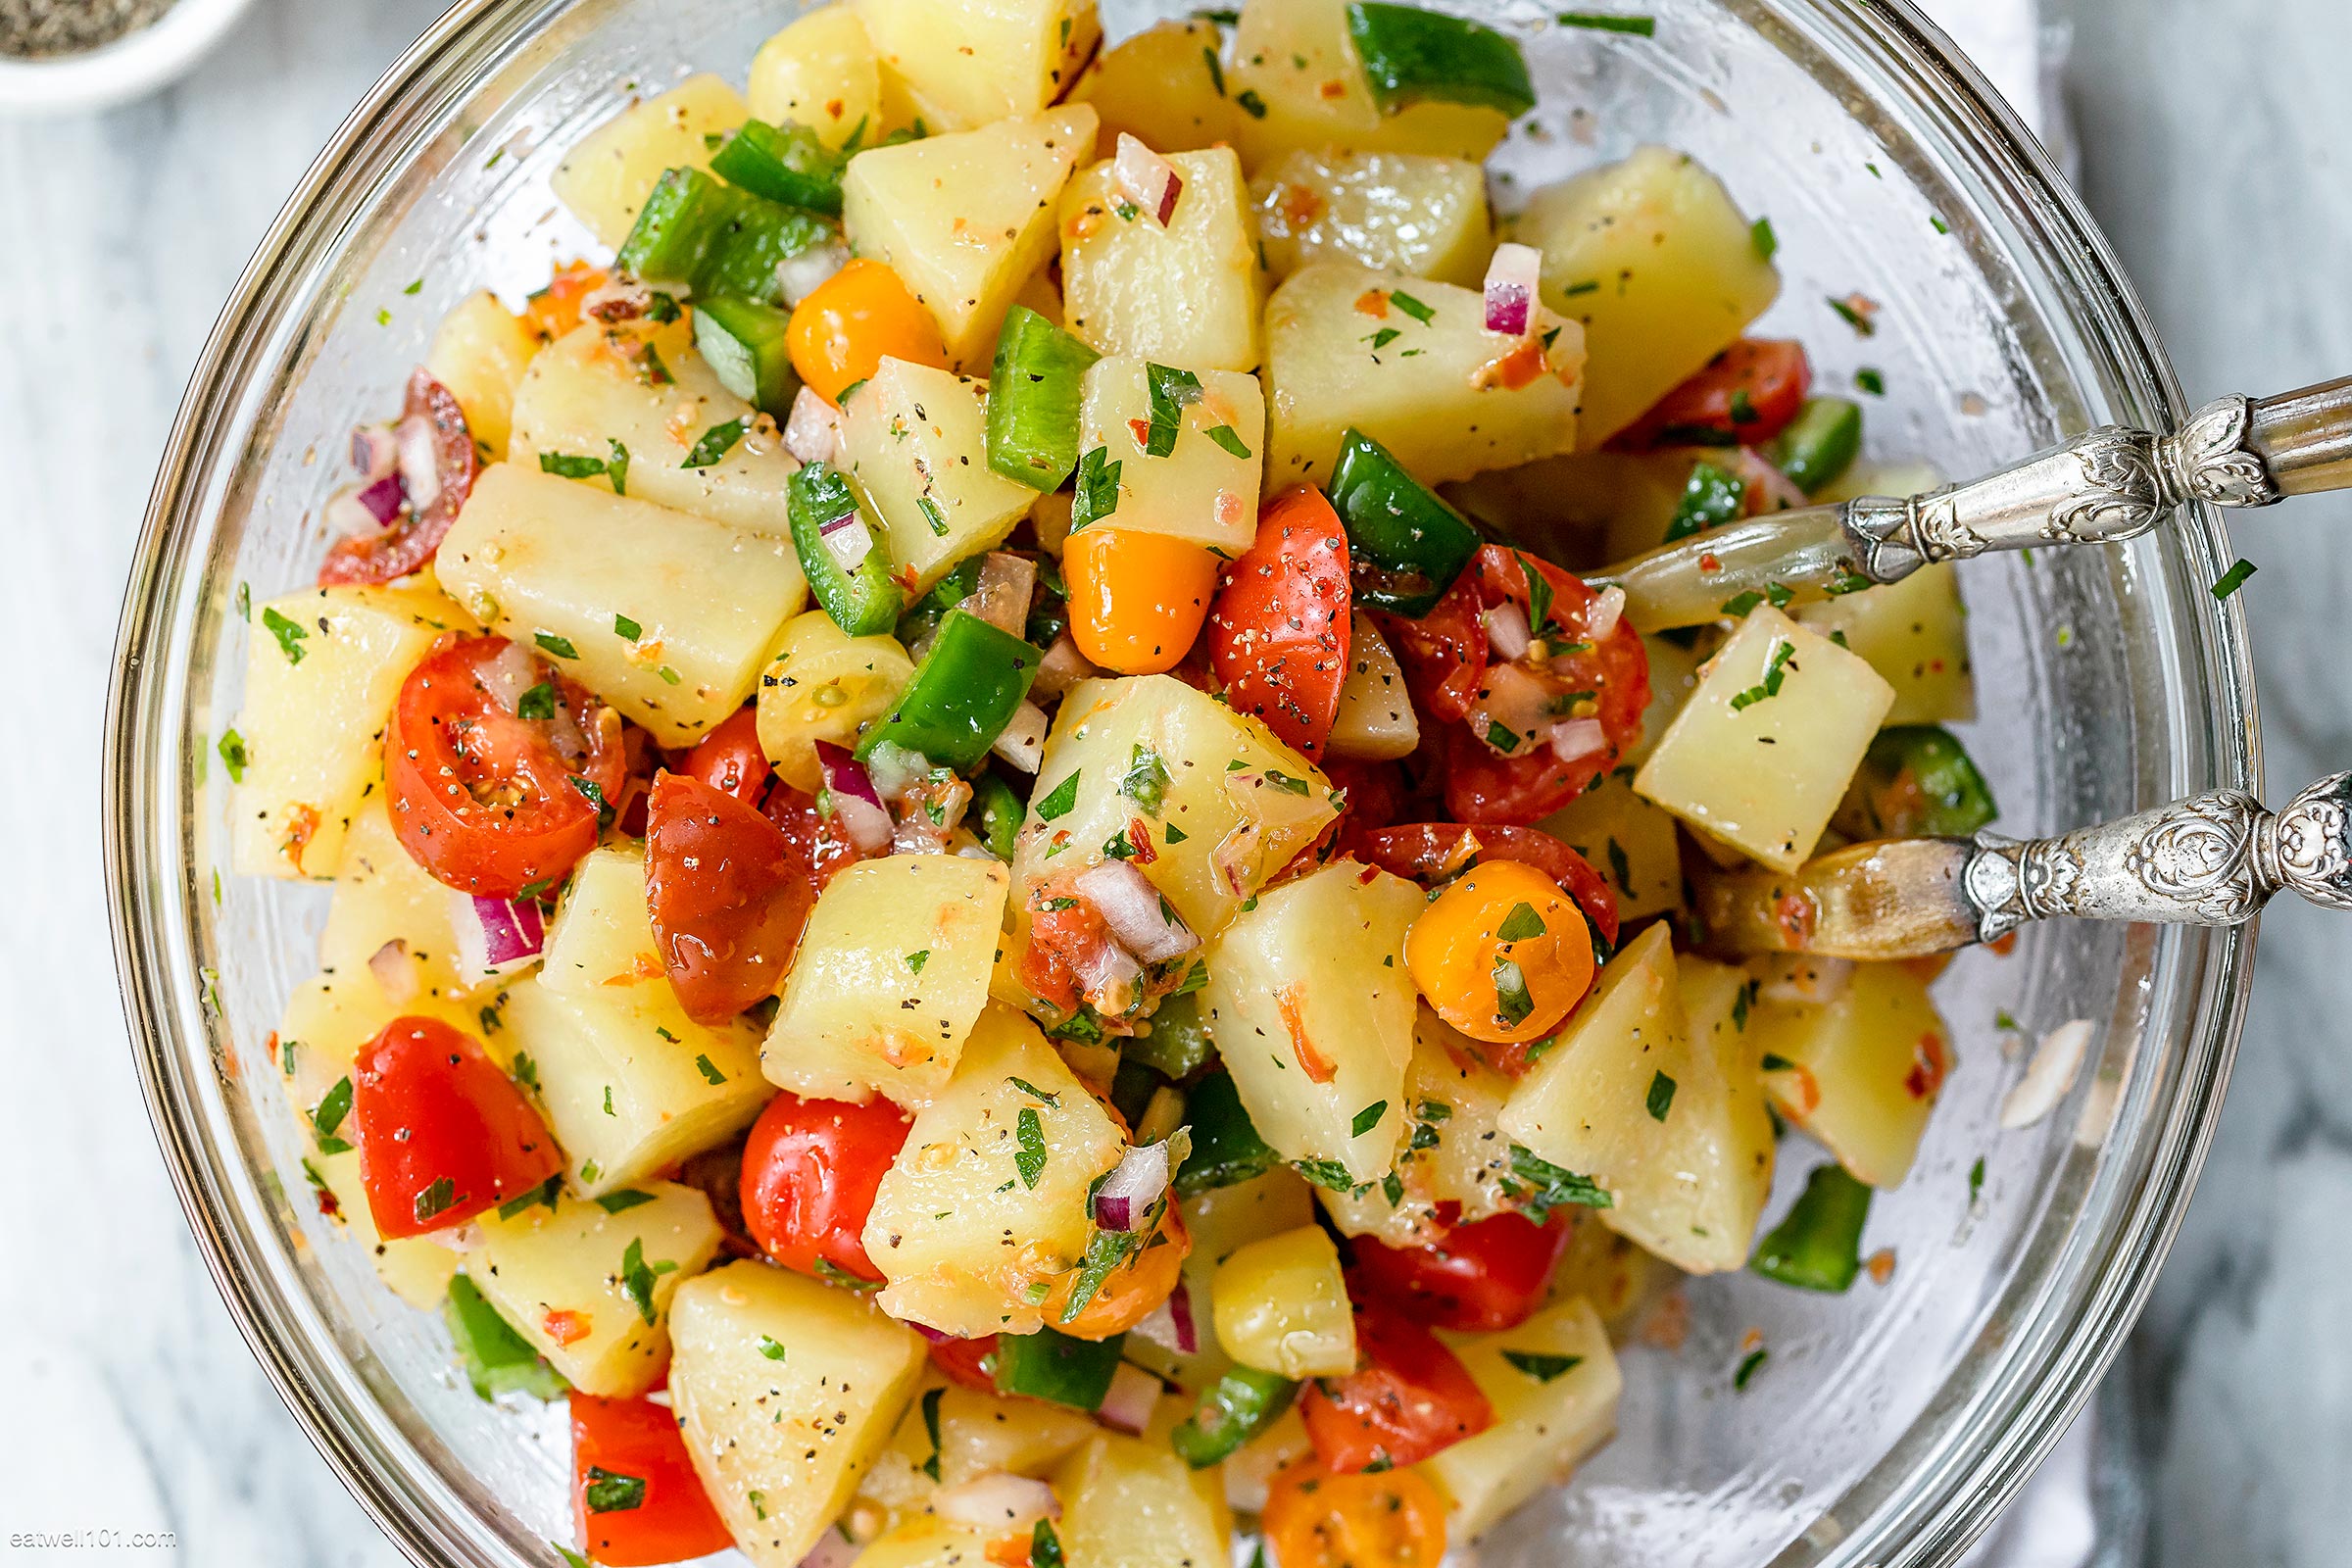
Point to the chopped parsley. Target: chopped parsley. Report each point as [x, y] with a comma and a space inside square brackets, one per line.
[565, 466]
[1368, 1118]
[1539, 595]
[1513, 1004]
[833, 1273]
[1542, 1367]
[1862, 325]
[1381, 338]
[537, 702]
[621, 1201]
[1750, 1365]
[436, 1200]
[1773, 674]
[771, 1348]
[715, 443]
[1033, 1092]
[1059, 801]
[233, 754]
[1661, 1097]
[1521, 925]
[627, 629]
[333, 1106]
[709, 1070]
[1146, 781]
[1870, 381]
[610, 1492]
[917, 958]
[1632, 26]
[547, 1192]
[560, 647]
[1097, 488]
[1760, 235]
[2233, 579]
[1412, 307]
[1328, 1174]
[288, 634]
[1621, 868]
[1105, 1250]
[936, 519]
[616, 466]
[1975, 1180]
[1226, 436]
[1030, 1158]
[1777, 594]
[1171, 391]
[1216, 70]
[1045, 1546]
[637, 1277]
[1251, 104]
[1283, 781]
[594, 794]
[931, 1398]
[1540, 1187]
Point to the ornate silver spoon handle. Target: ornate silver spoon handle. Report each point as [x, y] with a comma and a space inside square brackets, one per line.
[2106, 484]
[2210, 859]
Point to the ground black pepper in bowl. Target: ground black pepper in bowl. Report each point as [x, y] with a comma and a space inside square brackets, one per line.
[34, 29]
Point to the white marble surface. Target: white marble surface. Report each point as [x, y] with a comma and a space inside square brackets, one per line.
[2211, 132]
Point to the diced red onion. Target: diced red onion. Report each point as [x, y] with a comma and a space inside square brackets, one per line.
[1149, 180]
[832, 1550]
[998, 1502]
[800, 275]
[382, 498]
[856, 807]
[1169, 1325]
[1135, 911]
[1574, 739]
[1510, 293]
[813, 433]
[1063, 667]
[497, 936]
[846, 539]
[373, 452]
[419, 461]
[935, 1336]
[346, 517]
[1601, 619]
[1128, 1404]
[1131, 1187]
[1506, 631]
[1022, 741]
[394, 973]
[1002, 595]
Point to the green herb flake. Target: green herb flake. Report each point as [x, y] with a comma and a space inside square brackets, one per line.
[565, 466]
[537, 702]
[1540, 1186]
[610, 1492]
[383, 318]
[931, 1398]
[1287, 784]
[1030, 1158]
[1870, 381]
[1061, 799]
[637, 1277]
[1097, 488]
[771, 1348]
[715, 443]
[560, 647]
[1661, 1097]
[1328, 1174]
[1381, 338]
[621, 1201]
[2233, 579]
[1539, 595]
[1042, 1095]
[917, 959]
[1146, 781]
[627, 629]
[1778, 594]
[1216, 70]
[1862, 325]
[1631, 26]
[1251, 104]
[1750, 1365]
[1369, 1117]
[616, 467]
[833, 1273]
[1621, 868]
[1412, 307]
[1045, 1546]
[436, 1200]
[1773, 674]
[1170, 392]
[245, 602]
[1761, 237]
[415, 287]
[1513, 1004]
[1226, 436]
[1542, 1367]
[233, 754]
[571, 1558]
[710, 1071]
[333, 1106]
[1975, 1180]
[593, 793]
[1522, 924]
[289, 635]
[932, 515]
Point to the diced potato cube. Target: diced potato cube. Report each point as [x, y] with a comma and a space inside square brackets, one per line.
[969, 1218]
[1629, 840]
[607, 178]
[1860, 1073]
[1203, 490]
[987, 1434]
[1398, 212]
[1131, 1503]
[1313, 1010]
[1659, 266]
[966, 220]
[889, 976]
[915, 443]
[970, 62]
[1281, 1306]
[780, 1441]
[1456, 1153]
[323, 667]
[480, 353]
[1761, 753]
[1673, 677]
[1251, 1469]
[825, 685]
[821, 72]
[382, 896]
[1553, 1383]
[1627, 1099]
[1437, 394]
[1913, 633]
[1294, 60]
[416, 1268]
[1187, 294]
[547, 558]
[591, 1289]
[1219, 1221]
[1164, 86]
[1376, 718]
[924, 1540]
[586, 391]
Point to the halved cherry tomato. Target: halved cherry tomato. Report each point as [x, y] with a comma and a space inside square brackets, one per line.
[635, 1497]
[1137, 600]
[1430, 851]
[1278, 634]
[970, 1363]
[729, 759]
[1314, 1518]
[409, 542]
[487, 800]
[814, 840]
[1745, 395]
[443, 1134]
[1412, 1397]
[1486, 1275]
[727, 896]
[1445, 652]
[854, 321]
[809, 1173]
[1502, 955]
[556, 308]
[1128, 1295]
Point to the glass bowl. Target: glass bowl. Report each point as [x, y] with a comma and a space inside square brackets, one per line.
[1885, 1426]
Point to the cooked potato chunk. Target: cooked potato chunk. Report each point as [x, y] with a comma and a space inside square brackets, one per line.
[1281, 1306]
[480, 353]
[416, 1268]
[825, 685]
[915, 443]
[1376, 718]
[544, 558]
[1130, 1504]
[889, 978]
[1164, 87]
[981, 1434]
[1553, 1383]
[587, 391]
[924, 1540]
[607, 178]
[989, 1197]
[968, 63]
[1628, 841]
[1204, 489]
[383, 896]
[1659, 266]
[1913, 633]
[1457, 1155]
[1313, 1010]
[1860, 1073]
[967, 218]
[323, 667]
[590, 1286]
[821, 72]
[1187, 294]
[1397, 212]
[1773, 685]
[1439, 394]
[1296, 58]
[781, 1435]
[1219, 1221]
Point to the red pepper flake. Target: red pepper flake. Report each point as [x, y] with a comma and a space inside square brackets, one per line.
[1139, 834]
[564, 1326]
[1710, 562]
[1333, 88]
[1319, 1068]
[1880, 1265]
[1373, 302]
[1795, 915]
[1140, 429]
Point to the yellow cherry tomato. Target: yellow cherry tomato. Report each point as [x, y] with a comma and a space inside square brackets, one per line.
[854, 321]
[1502, 955]
[1137, 600]
[1314, 1518]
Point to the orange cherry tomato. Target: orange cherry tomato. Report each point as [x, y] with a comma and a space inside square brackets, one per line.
[854, 321]
[635, 1497]
[556, 308]
[1132, 1289]
[1502, 955]
[1137, 600]
[1387, 1519]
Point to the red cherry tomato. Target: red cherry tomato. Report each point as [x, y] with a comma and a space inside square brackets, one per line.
[1483, 1276]
[1066, 937]
[416, 534]
[1745, 395]
[728, 897]
[635, 1497]
[729, 758]
[1430, 851]
[485, 799]
[1278, 633]
[815, 842]
[969, 1362]
[443, 1134]
[1412, 1397]
[1443, 653]
[810, 1171]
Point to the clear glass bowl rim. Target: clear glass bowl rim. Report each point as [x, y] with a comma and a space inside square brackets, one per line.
[1913, 1513]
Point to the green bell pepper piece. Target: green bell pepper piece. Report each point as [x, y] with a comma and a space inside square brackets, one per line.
[1406, 547]
[972, 681]
[1237, 1408]
[1818, 1247]
[708, 236]
[998, 812]
[497, 1359]
[1033, 395]
[1711, 498]
[923, 616]
[1820, 444]
[786, 164]
[1176, 1041]
[864, 602]
[1412, 55]
[744, 342]
[1916, 781]
[1050, 1365]
[1226, 1147]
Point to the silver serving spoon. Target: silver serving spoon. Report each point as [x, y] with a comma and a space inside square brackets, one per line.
[2210, 859]
[2106, 484]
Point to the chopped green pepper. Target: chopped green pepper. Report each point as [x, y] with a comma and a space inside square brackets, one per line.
[744, 341]
[996, 813]
[1226, 1147]
[1712, 498]
[1820, 444]
[1176, 1038]
[786, 164]
[1413, 55]
[1916, 781]
[1237, 1408]
[862, 602]
[1033, 394]
[972, 681]
[1406, 547]
[922, 618]
[711, 238]
[1132, 1087]
[1047, 1365]
[1818, 1247]
[497, 1359]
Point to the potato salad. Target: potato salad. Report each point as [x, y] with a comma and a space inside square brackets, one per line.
[997, 891]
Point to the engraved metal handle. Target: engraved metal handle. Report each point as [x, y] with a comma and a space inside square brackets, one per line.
[2211, 859]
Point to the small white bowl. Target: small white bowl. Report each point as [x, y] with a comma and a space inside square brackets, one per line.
[135, 63]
